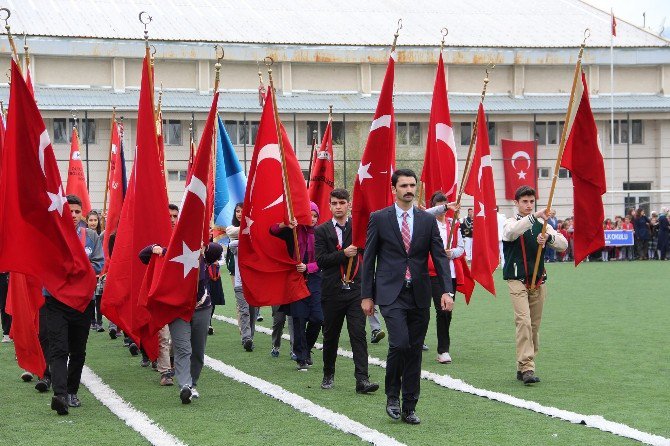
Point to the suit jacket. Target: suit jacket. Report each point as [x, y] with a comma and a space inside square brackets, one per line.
[332, 261]
[385, 259]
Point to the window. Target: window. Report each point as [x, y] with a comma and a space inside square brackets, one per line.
[63, 130]
[176, 175]
[466, 133]
[242, 132]
[320, 127]
[564, 173]
[622, 134]
[408, 133]
[543, 172]
[548, 133]
[171, 132]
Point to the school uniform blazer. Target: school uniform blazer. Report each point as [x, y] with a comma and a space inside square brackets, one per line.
[333, 261]
[385, 259]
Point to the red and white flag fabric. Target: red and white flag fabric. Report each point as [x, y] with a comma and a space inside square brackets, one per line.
[583, 159]
[613, 23]
[440, 164]
[322, 176]
[172, 295]
[519, 164]
[76, 179]
[146, 196]
[115, 187]
[372, 188]
[268, 273]
[24, 300]
[485, 248]
[34, 214]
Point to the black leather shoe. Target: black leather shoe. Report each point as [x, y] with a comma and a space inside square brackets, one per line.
[73, 401]
[519, 375]
[133, 349]
[365, 386]
[393, 407]
[327, 382]
[59, 404]
[43, 385]
[529, 377]
[410, 417]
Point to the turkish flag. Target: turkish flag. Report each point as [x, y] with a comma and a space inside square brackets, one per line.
[465, 284]
[583, 159]
[76, 180]
[269, 275]
[29, 82]
[519, 161]
[372, 188]
[116, 187]
[322, 177]
[34, 214]
[485, 248]
[24, 300]
[173, 295]
[440, 164]
[147, 196]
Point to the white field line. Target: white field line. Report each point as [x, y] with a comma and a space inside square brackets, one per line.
[334, 419]
[593, 421]
[135, 419]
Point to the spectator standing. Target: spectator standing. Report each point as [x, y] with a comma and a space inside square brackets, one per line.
[653, 241]
[642, 228]
[467, 230]
[663, 234]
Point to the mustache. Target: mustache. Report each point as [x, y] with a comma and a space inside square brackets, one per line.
[408, 194]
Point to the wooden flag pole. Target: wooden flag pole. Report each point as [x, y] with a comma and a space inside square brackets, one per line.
[287, 186]
[468, 161]
[311, 156]
[15, 53]
[561, 149]
[109, 164]
[217, 80]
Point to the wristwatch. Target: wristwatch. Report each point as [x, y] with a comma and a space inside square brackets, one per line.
[451, 295]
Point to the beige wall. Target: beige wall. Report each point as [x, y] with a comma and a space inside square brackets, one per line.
[70, 71]
[631, 79]
[325, 77]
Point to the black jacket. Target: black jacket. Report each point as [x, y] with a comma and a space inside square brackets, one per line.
[333, 261]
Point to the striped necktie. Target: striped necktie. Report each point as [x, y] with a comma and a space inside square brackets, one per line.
[406, 239]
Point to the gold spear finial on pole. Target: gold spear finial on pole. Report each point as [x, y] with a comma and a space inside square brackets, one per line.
[8, 28]
[261, 87]
[445, 33]
[468, 161]
[397, 33]
[2, 108]
[145, 19]
[25, 50]
[561, 149]
[218, 49]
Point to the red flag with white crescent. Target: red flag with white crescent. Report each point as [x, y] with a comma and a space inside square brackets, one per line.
[519, 161]
[76, 179]
[322, 177]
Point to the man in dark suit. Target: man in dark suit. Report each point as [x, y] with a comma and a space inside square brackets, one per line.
[333, 249]
[394, 276]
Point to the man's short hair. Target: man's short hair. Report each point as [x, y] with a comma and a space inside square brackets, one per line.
[73, 199]
[437, 197]
[173, 207]
[340, 194]
[524, 191]
[402, 173]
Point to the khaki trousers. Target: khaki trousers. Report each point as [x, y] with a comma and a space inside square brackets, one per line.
[527, 317]
[164, 346]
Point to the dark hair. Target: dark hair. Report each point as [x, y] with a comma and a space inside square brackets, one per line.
[73, 199]
[98, 228]
[173, 207]
[402, 173]
[524, 191]
[437, 197]
[235, 221]
[341, 194]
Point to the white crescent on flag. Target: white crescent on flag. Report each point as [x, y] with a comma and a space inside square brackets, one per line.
[269, 151]
[197, 187]
[485, 162]
[520, 154]
[44, 143]
[445, 134]
[382, 121]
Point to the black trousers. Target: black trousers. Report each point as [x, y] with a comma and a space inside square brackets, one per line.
[407, 325]
[335, 309]
[442, 318]
[68, 333]
[6, 319]
[306, 331]
[44, 339]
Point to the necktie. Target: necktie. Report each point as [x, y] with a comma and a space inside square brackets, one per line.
[341, 234]
[406, 238]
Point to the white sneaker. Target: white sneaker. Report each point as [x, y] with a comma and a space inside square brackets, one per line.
[444, 358]
[194, 393]
[6, 339]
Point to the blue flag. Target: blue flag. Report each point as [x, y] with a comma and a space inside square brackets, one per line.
[230, 182]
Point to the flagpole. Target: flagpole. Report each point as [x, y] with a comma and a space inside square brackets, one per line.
[561, 149]
[215, 135]
[26, 56]
[468, 161]
[15, 53]
[147, 54]
[311, 154]
[109, 163]
[287, 187]
[612, 111]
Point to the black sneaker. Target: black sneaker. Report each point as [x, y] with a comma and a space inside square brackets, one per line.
[59, 404]
[302, 366]
[73, 401]
[309, 361]
[519, 375]
[134, 350]
[365, 386]
[154, 365]
[145, 363]
[100, 329]
[43, 385]
[248, 345]
[185, 395]
[327, 382]
[112, 333]
[529, 377]
[210, 330]
[26, 377]
[377, 335]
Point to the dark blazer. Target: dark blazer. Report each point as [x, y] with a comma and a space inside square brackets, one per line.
[332, 261]
[385, 259]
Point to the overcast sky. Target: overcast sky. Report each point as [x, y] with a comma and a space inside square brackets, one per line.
[658, 12]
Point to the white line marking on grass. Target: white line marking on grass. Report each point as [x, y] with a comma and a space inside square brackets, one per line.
[334, 419]
[593, 421]
[135, 419]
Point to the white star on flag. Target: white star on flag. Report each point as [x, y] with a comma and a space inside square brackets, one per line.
[190, 259]
[522, 174]
[57, 201]
[363, 172]
[250, 222]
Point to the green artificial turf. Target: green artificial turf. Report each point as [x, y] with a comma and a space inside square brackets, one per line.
[604, 351]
